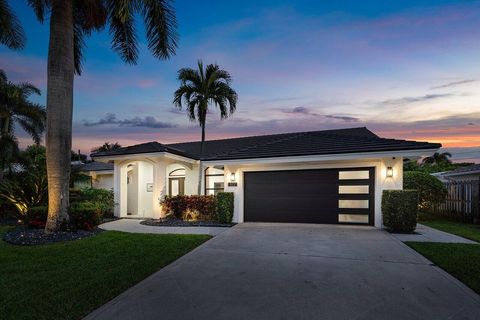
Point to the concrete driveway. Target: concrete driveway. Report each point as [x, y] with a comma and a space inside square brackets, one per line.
[293, 271]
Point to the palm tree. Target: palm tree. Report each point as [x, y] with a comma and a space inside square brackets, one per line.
[15, 108]
[198, 89]
[70, 23]
[11, 31]
[438, 158]
[107, 146]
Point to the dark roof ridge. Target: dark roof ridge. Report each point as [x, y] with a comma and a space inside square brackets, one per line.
[278, 134]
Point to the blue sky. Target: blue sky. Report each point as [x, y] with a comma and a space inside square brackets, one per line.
[404, 69]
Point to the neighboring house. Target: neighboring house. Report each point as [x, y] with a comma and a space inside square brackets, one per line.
[334, 176]
[100, 173]
[463, 173]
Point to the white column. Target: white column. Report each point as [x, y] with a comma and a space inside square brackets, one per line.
[116, 188]
[159, 186]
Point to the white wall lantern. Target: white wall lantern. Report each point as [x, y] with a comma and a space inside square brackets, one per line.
[232, 177]
[389, 172]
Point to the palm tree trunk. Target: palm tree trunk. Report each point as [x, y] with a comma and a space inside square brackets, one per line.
[59, 112]
[200, 167]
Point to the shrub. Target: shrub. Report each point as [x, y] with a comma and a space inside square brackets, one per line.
[224, 207]
[431, 190]
[25, 191]
[100, 198]
[37, 217]
[84, 215]
[399, 210]
[190, 207]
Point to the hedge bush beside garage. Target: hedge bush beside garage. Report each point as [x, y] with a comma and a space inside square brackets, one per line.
[399, 210]
[224, 207]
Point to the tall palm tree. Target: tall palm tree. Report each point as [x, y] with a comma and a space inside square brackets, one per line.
[201, 88]
[438, 158]
[70, 23]
[107, 146]
[15, 108]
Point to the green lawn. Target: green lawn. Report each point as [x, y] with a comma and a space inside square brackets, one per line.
[68, 280]
[460, 260]
[466, 230]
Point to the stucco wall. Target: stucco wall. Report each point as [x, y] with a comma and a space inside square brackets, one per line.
[381, 181]
[162, 166]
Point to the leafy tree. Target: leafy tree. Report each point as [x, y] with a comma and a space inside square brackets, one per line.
[16, 109]
[200, 88]
[27, 186]
[431, 191]
[70, 22]
[437, 158]
[107, 146]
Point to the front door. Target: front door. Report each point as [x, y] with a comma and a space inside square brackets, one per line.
[176, 186]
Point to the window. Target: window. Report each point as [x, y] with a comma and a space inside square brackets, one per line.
[177, 173]
[214, 180]
[353, 204]
[353, 218]
[353, 189]
[353, 175]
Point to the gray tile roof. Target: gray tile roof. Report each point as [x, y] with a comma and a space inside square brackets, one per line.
[353, 140]
[464, 170]
[96, 166]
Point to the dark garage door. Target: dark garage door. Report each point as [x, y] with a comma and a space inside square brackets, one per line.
[310, 196]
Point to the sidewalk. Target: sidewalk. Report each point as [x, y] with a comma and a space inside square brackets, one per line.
[427, 234]
[134, 226]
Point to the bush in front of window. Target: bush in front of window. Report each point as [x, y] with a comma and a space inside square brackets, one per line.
[399, 210]
[224, 207]
[190, 208]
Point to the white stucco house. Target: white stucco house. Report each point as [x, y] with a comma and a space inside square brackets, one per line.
[467, 173]
[100, 173]
[333, 176]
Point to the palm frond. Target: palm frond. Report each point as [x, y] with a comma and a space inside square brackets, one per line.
[122, 29]
[161, 27]
[11, 31]
[39, 7]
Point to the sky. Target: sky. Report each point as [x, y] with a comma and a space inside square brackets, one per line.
[404, 69]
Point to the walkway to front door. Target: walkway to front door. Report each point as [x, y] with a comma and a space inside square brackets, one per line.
[295, 271]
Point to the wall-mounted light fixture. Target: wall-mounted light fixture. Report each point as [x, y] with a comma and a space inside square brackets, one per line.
[232, 177]
[389, 172]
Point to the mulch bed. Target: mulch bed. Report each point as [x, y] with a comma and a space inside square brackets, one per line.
[33, 237]
[181, 223]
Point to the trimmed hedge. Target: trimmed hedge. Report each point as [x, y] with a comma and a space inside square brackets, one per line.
[224, 207]
[399, 210]
[190, 207]
[83, 215]
[431, 191]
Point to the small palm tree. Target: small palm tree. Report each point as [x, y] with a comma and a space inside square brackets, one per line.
[70, 23]
[438, 158]
[15, 108]
[200, 88]
[107, 146]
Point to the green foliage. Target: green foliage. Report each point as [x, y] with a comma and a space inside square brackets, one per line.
[83, 274]
[190, 207]
[438, 158]
[224, 206]
[37, 217]
[101, 199]
[412, 165]
[107, 146]
[84, 215]
[459, 259]
[399, 210]
[27, 190]
[431, 190]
